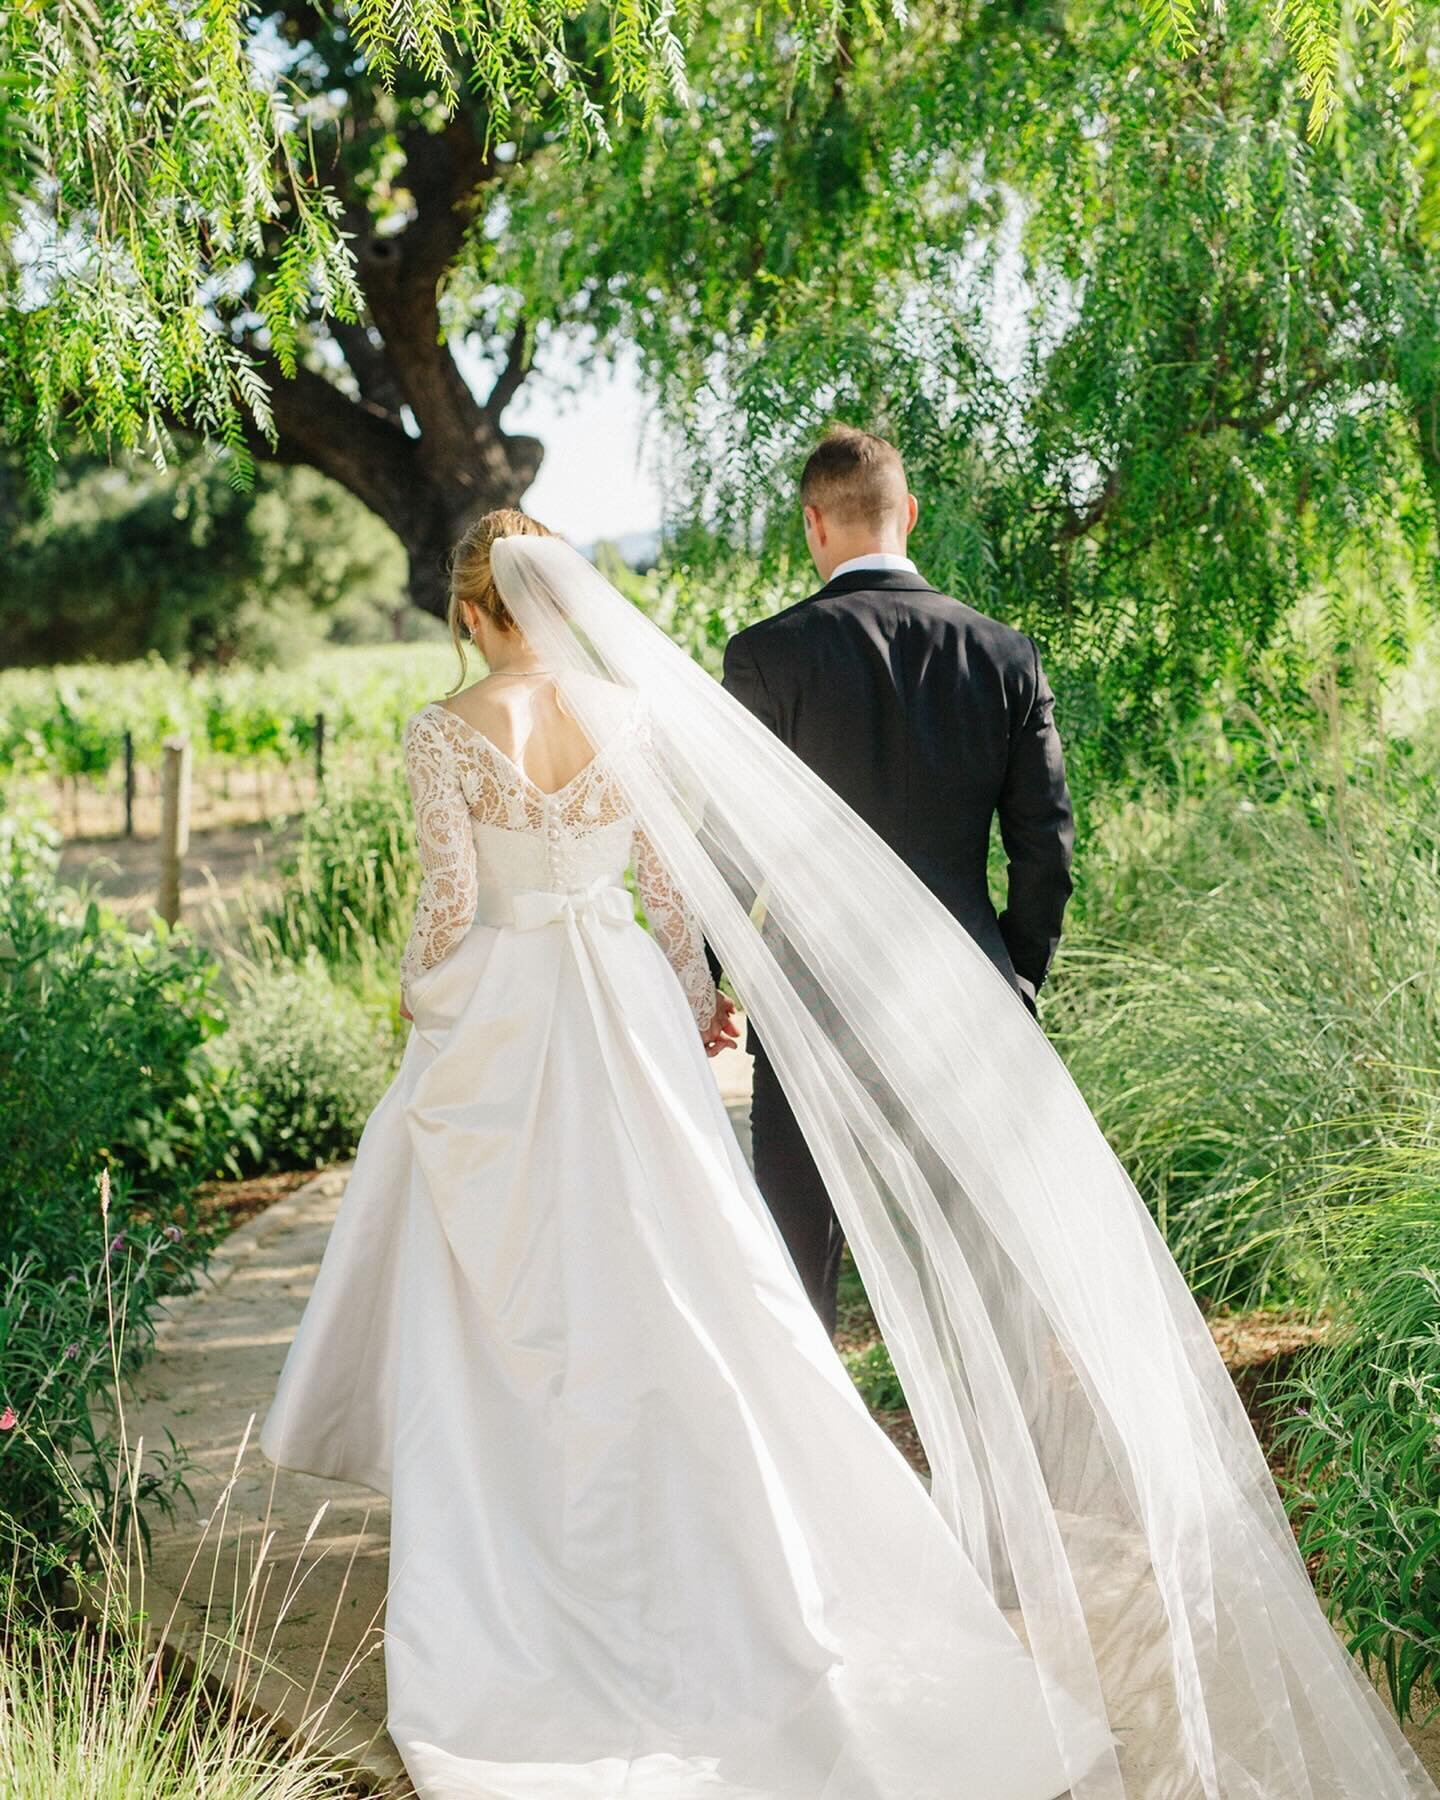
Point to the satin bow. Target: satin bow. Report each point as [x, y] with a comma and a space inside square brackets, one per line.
[601, 900]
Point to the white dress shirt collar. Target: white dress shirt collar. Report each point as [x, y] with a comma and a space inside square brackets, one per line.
[874, 559]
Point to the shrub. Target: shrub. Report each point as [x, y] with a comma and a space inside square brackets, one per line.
[105, 1089]
[311, 1058]
[874, 1376]
[102, 1035]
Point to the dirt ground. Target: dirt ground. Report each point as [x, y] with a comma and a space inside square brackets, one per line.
[226, 859]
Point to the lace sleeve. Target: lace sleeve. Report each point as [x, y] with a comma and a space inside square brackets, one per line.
[448, 877]
[676, 929]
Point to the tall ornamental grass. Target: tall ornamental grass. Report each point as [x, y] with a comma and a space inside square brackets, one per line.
[1249, 991]
[1362, 1416]
[347, 885]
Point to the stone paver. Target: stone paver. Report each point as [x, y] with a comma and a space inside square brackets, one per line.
[317, 1605]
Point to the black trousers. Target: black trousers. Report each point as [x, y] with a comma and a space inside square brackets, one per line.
[787, 1177]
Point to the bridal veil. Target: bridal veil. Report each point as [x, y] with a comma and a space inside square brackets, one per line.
[1086, 1443]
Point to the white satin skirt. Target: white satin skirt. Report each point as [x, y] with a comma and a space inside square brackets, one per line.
[646, 1540]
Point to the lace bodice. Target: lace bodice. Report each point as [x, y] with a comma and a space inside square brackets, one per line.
[482, 823]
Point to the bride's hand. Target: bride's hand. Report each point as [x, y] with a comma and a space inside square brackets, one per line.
[722, 1033]
[405, 1012]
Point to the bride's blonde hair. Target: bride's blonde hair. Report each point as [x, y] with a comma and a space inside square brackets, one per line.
[471, 577]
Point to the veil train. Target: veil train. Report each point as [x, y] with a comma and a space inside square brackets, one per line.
[1087, 1445]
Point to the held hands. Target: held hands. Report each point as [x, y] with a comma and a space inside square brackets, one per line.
[722, 1033]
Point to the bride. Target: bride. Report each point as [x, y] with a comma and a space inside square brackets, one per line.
[646, 1540]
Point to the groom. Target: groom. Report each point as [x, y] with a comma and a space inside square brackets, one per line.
[931, 720]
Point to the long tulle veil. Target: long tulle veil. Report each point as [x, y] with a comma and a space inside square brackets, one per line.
[1087, 1445]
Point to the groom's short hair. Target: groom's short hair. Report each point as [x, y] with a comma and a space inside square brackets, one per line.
[854, 478]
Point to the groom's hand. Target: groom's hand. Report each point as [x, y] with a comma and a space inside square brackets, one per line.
[722, 1033]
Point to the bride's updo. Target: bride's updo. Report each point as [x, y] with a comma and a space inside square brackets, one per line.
[470, 575]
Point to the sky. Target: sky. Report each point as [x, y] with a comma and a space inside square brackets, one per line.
[598, 479]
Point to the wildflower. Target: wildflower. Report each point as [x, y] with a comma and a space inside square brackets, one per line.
[9, 1419]
[117, 1242]
[174, 1233]
[104, 1193]
[72, 1350]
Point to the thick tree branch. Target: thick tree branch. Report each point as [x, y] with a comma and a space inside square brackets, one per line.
[367, 361]
[1253, 423]
[352, 444]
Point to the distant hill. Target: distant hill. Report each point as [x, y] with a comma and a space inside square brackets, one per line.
[638, 549]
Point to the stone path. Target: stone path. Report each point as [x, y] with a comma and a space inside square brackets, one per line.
[316, 1601]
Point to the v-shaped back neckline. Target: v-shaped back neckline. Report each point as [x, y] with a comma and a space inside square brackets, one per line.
[505, 757]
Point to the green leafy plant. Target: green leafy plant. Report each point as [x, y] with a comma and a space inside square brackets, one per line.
[64, 1341]
[348, 884]
[311, 1057]
[102, 1035]
[93, 1698]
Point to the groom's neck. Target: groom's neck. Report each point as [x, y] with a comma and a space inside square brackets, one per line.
[842, 550]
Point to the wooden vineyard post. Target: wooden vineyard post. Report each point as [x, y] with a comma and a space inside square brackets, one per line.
[129, 783]
[174, 825]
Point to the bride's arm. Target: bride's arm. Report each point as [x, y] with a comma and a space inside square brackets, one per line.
[446, 902]
[677, 931]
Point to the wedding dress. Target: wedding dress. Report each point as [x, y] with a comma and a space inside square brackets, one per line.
[646, 1540]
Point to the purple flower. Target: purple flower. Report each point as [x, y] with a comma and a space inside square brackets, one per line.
[9, 1419]
[174, 1233]
[117, 1242]
[72, 1350]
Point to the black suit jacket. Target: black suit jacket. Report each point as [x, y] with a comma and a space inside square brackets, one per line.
[931, 720]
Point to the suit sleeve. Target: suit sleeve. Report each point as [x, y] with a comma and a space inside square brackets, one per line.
[743, 679]
[1037, 828]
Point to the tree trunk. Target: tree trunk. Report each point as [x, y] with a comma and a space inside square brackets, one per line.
[412, 442]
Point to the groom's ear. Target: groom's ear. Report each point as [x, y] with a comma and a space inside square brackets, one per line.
[814, 524]
[912, 513]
